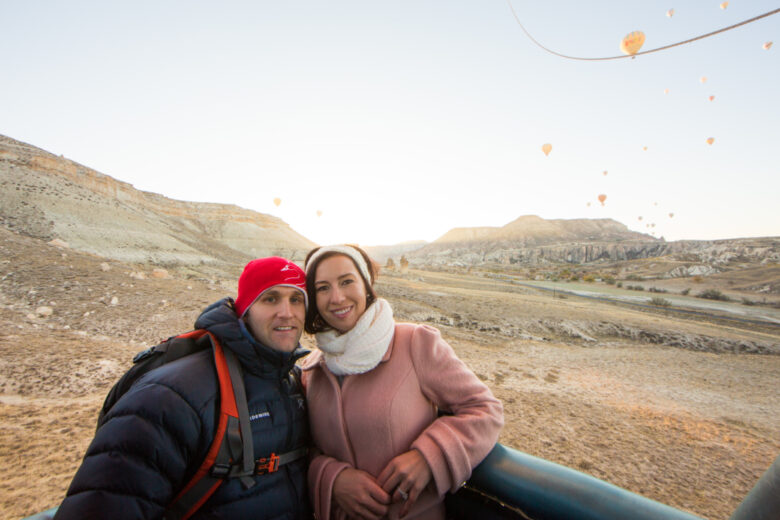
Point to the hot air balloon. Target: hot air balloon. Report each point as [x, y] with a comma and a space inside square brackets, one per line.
[547, 148]
[319, 212]
[644, 148]
[712, 98]
[652, 225]
[670, 13]
[724, 5]
[767, 46]
[632, 42]
[671, 215]
[639, 218]
[605, 173]
[703, 79]
[655, 204]
[602, 198]
[588, 204]
[711, 140]
[277, 201]
[666, 91]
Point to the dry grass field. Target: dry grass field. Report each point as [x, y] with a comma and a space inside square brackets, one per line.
[660, 405]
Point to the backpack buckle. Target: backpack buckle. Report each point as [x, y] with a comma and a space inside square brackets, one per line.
[220, 470]
[267, 464]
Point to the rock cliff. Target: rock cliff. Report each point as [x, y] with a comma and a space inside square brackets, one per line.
[51, 197]
[533, 241]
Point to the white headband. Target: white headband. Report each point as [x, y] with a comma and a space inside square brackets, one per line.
[351, 252]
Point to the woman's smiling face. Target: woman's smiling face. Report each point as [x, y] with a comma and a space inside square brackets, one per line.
[341, 293]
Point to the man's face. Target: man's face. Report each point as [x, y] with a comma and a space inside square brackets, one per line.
[276, 318]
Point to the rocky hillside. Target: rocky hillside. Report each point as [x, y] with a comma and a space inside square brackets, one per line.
[533, 241]
[50, 197]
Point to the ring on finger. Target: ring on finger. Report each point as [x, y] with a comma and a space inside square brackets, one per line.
[404, 494]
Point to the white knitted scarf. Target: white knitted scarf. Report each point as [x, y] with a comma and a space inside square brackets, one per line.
[361, 348]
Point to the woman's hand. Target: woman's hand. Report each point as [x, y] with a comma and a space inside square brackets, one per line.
[359, 495]
[407, 474]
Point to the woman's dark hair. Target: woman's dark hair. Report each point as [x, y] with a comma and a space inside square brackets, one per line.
[314, 321]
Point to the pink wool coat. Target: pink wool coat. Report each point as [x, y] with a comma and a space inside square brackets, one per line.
[375, 416]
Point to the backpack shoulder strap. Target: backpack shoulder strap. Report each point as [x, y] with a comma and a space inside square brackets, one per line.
[231, 454]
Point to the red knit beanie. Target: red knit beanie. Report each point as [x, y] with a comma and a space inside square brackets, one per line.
[262, 274]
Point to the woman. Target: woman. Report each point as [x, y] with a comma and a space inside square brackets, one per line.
[375, 389]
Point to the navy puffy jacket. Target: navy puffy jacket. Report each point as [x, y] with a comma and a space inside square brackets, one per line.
[158, 433]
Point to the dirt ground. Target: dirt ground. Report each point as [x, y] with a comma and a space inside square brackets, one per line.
[673, 409]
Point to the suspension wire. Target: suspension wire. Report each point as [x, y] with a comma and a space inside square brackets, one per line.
[713, 33]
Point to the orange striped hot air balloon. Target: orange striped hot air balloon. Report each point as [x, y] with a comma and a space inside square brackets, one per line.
[277, 201]
[602, 198]
[632, 42]
[547, 148]
[711, 140]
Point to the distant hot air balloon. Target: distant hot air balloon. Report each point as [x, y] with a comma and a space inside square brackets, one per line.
[652, 225]
[666, 91]
[605, 172]
[711, 140]
[703, 79]
[639, 218]
[588, 204]
[632, 42]
[319, 212]
[647, 225]
[547, 148]
[671, 215]
[602, 198]
[670, 13]
[277, 201]
[712, 98]
[724, 5]
[644, 148]
[655, 204]
[767, 46]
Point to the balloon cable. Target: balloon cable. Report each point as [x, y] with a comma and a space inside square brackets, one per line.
[643, 52]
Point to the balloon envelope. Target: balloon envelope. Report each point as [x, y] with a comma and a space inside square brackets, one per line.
[605, 172]
[632, 42]
[703, 79]
[547, 148]
[724, 5]
[711, 140]
[639, 218]
[670, 13]
[319, 212]
[712, 98]
[666, 91]
[277, 201]
[671, 215]
[602, 198]
[767, 46]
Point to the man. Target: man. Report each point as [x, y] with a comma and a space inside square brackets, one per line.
[157, 435]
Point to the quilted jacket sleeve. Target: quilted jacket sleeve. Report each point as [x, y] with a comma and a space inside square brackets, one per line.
[453, 444]
[138, 459]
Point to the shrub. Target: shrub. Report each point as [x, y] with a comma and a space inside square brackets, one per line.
[685, 291]
[620, 284]
[633, 277]
[697, 279]
[588, 278]
[656, 290]
[746, 301]
[610, 280]
[635, 287]
[660, 302]
[713, 294]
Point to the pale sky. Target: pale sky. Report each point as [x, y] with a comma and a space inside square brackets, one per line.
[401, 120]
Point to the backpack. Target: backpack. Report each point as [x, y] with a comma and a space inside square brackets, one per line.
[231, 454]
